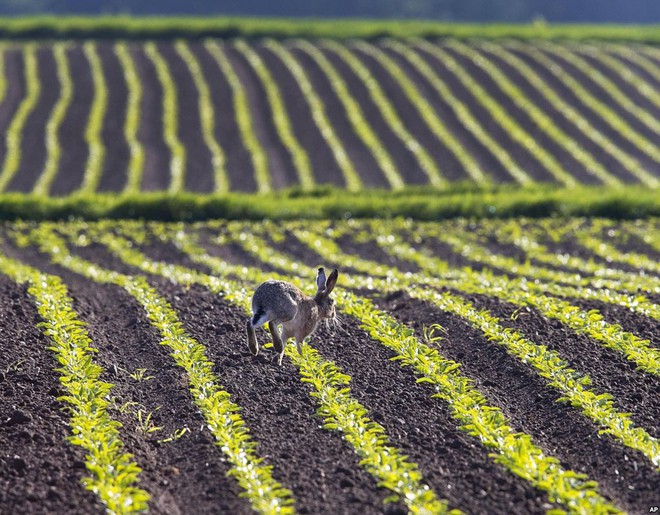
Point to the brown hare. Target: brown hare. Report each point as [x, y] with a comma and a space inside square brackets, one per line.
[279, 302]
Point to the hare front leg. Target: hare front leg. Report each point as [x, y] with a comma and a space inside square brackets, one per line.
[277, 341]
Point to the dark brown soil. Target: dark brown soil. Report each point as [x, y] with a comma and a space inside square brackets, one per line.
[115, 168]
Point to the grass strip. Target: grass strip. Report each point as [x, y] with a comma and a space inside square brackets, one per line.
[14, 134]
[244, 118]
[221, 414]
[207, 116]
[458, 200]
[319, 114]
[596, 105]
[572, 115]
[94, 128]
[513, 450]
[572, 385]
[132, 120]
[53, 148]
[3, 73]
[355, 115]
[431, 118]
[170, 118]
[113, 476]
[542, 120]
[281, 117]
[337, 407]
[169, 27]
[424, 161]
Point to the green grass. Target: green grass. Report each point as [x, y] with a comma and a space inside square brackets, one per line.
[149, 27]
[420, 203]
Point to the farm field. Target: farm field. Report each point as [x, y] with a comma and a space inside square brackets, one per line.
[487, 366]
[255, 115]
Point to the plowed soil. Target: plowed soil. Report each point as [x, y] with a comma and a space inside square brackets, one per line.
[40, 471]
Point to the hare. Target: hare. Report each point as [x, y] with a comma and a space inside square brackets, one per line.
[279, 302]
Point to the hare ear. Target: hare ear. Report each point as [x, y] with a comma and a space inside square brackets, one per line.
[320, 280]
[330, 283]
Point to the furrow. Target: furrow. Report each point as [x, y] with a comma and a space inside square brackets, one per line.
[170, 119]
[597, 106]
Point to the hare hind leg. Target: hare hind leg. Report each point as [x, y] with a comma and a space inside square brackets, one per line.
[278, 344]
[253, 345]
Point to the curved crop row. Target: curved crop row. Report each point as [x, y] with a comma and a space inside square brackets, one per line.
[14, 134]
[512, 233]
[355, 115]
[337, 407]
[243, 118]
[280, 116]
[630, 163]
[319, 114]
[3, 73]
[515, 451]
[462, 112]
[379, 97]
[220, 412]
[94, 167]
[542, 120]
[113, 475]
[619, 96]
[53, 148]
[622, 71]
[613, 254]
[207, 116]
[170, 118]
[132, 120]
[635, 54]
[500, 114]
[596, 105]
[580, 288]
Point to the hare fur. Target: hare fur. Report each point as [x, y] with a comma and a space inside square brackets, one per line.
[279, 302]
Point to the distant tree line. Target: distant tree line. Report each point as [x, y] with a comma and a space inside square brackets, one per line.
[506, 11]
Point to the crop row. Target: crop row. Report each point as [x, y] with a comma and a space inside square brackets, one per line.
[447, 73]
